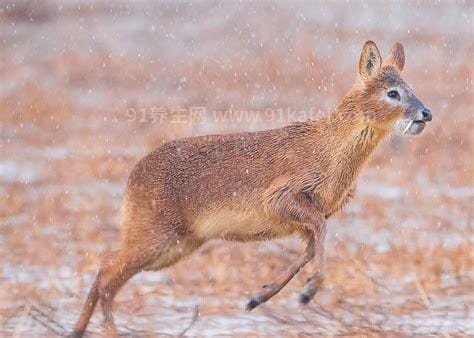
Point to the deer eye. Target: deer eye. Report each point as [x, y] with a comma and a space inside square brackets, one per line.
[393, 94]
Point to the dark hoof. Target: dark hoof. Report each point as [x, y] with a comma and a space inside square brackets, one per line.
[253, 303]
[311, 288]
[304, 299]
[76, 334]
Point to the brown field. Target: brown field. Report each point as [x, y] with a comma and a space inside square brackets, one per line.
[87, 88]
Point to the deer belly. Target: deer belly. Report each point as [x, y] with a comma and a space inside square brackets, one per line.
[238, 226]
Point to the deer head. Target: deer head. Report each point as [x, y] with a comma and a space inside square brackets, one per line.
[387, 101]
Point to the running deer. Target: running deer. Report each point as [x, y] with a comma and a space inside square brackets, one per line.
[255, 186]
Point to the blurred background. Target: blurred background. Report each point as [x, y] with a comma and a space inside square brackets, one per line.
[89, 87]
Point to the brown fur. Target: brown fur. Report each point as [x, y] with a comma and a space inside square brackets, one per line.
[249, 186]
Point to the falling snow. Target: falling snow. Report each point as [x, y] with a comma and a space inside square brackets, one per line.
[89, 87]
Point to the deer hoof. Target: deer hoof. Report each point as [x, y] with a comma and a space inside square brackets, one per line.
[307, 295]
[254, 302]
[304, 298]
[311, 288]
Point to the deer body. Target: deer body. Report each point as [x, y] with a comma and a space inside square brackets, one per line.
[219, 199]
[254, 186]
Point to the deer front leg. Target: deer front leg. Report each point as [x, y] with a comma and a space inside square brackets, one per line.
[298, 209]
[269, 290]
[315, 281]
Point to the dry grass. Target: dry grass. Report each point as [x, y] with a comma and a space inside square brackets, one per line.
[400, 258]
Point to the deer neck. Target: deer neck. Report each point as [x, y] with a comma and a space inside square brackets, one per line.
[353, 140]
[355, 137]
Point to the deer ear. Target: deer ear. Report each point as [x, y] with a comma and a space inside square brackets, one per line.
[370, 60]
[397, 56]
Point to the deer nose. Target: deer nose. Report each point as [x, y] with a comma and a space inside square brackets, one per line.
[426, 113]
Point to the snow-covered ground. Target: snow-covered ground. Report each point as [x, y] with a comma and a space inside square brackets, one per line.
[80, 82]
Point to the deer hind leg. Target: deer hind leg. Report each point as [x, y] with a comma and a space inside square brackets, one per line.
[113, 273]
[116, 274]
[118, 267]
[87, 309]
